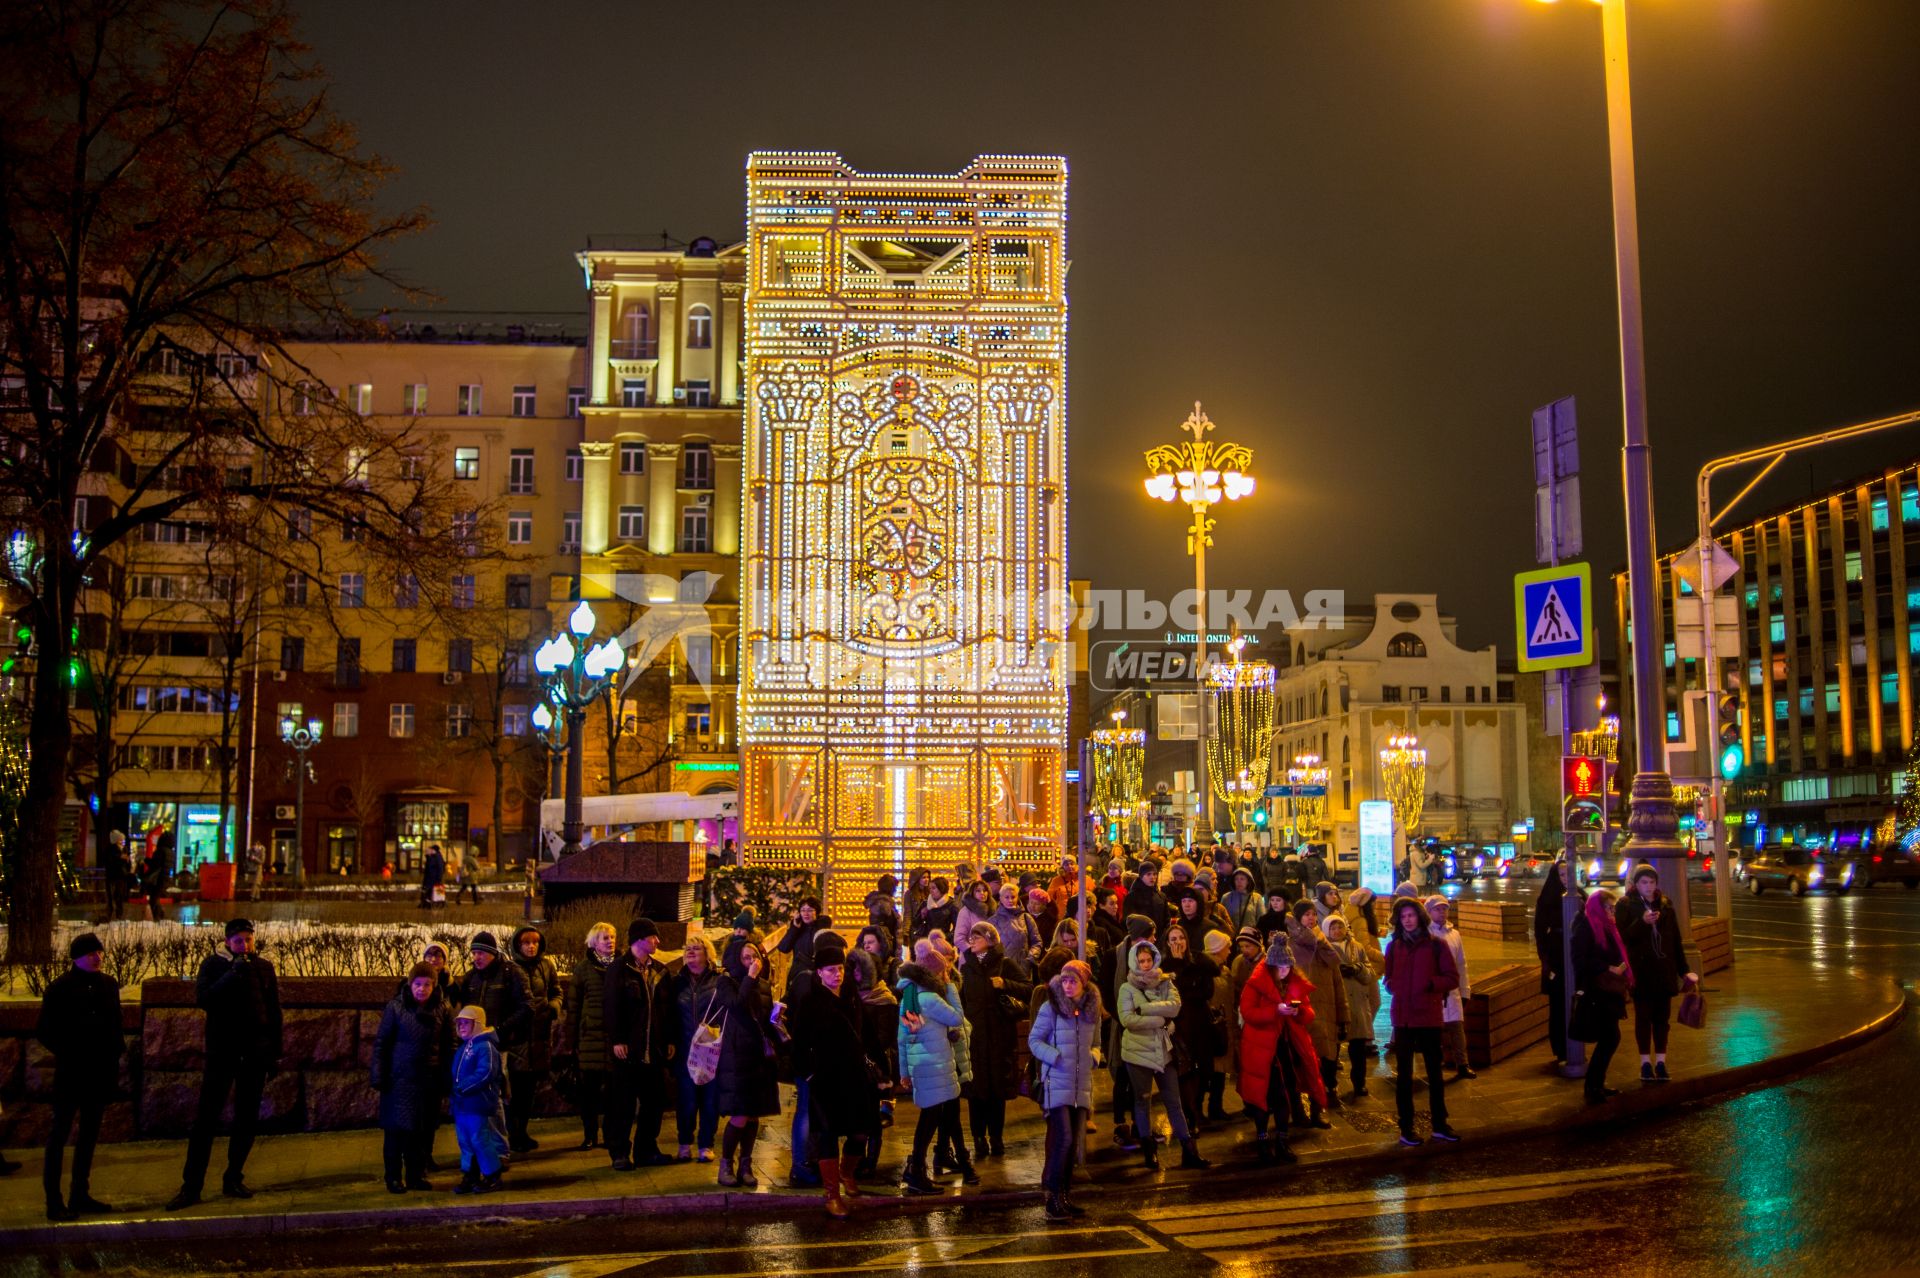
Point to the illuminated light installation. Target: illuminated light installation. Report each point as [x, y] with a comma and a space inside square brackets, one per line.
[1239, 752]
[1309, 810]
[1117, 757]
[1403, 769]
[903, 686]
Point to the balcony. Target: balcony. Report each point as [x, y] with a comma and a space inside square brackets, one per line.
[647, 349]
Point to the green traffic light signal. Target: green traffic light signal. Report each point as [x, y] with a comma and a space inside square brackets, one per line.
[1732, 759]
[1259, 818]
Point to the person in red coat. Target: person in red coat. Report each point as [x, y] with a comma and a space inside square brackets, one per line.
[1420, 972]
[1277, 1060]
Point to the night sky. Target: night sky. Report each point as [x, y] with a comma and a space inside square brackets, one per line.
[1371, 235]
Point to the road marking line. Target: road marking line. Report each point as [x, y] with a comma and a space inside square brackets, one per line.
[1377, 1196]
[596, 1268]
[1231, 1258]
[1260, 1227]
[1495, 1269]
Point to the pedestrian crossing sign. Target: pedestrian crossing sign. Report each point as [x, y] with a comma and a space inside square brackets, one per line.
[1553, 617]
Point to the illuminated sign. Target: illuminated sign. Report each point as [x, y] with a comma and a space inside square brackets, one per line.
[1376, 846]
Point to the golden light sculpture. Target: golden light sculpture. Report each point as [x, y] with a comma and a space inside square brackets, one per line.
[1240, 749]
[1403, 769]
[1308, 812]
[903, 679]
[1117, 757]
[1202, 473]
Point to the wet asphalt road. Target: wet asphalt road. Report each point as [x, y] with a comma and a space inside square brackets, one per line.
[1819, 1175]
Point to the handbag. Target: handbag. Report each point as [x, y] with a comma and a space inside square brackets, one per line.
[1588, 1016]
[1693, 1010]
[1611, 982]
[703, 1053]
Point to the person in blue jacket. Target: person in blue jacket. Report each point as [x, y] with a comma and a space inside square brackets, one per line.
[930, 1021]
[479, 1103]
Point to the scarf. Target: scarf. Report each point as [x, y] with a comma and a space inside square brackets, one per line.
[1605, 930]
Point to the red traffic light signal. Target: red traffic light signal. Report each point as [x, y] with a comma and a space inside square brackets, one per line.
[1581, 777]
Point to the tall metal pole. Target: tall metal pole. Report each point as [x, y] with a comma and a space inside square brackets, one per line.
[1202, 834]
[1652, 823]
[299, 816]
[572, 824]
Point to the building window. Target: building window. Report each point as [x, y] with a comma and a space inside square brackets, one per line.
[514, 721]
[353, 528]
[513, 664]
[1486, 694]
[1470, 691]
[413, 466]
[469, 400]
[299, 524]
[463, 590]
[400, 719]
[1777, 629]
[519, 590]
[293, 653]
[523, 401]
[413, 399]
[346, 661]
[570, 532]
[699, 327]
[633, 392]
[466, 463]
[693, 530]
[1389, 692]
[699, 393]
[293, 591]
[459, 719]
[406, 591]
[519, 528]
[576, 401]
[359, 397]
[1446, 693]
[1853, 565]
[353, 590]
[405, 653]
[633, 523]
[459, 656]
[575, 466]
[699, 719]
[346, 718]
[466, 530]
[696, 466]
[633, 457]
[303, 401]
[636, 333]
[1406, 644]
[520, 470]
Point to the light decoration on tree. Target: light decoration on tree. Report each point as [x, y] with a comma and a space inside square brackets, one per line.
[1240, 750]
[903, 686]
[1309, 810]
[1117, 758]
[1403, 769]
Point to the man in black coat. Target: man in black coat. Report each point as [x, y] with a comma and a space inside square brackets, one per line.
[240, 994]
[80, 1025]
[433, 872]
[636, 1007]
[496, 985]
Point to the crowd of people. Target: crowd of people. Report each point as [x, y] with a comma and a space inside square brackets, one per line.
[1244, 973]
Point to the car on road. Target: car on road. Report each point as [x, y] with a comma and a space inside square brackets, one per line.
[1890, 864]
[1796, 870]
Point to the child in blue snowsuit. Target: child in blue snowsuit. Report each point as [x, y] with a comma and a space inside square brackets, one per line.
[479, 1104]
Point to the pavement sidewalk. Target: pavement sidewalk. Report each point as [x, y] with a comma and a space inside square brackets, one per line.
[1769, 1017]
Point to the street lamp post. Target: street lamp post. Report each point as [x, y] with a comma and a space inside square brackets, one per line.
[575, 674]
[1202, 473]
[302, 737]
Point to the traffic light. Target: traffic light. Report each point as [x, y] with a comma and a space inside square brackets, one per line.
[1260, 817]
[1583, 783]
[1733, 755]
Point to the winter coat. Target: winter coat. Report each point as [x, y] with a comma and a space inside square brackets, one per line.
[1149, 1005]
[1019, 938]
[1263, 1030]
[1193, 978]
[1142, 899]
[1314, 959]
[1064, 891]
[926, 1055]
[1591, 956]
[241, 997]
[1659, 959]
[1243, 909]
[638, 1011]
[1456, 997]
[1361, 966]
[880, 1026]
[967, 915]
[543, 1000]
[936, 915]
[883, 912]
[479, 1077]
[500, 990]
[798, 942]
[587, 1035]
[747, 1081]
[412, 1052]
[828, 1051]
[1420, 974]
[994, 1048]
[80, 1024]
[695, 999]
[1110, 935]
[1550, 931]
[1062, 1039]
[433, 870]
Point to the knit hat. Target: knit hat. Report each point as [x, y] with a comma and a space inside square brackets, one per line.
[1116, 867]
[829, 949]
[1435, 901]
[928, 954]
[1183, 869]
[1216, 944]
[475, 1013]
[1407, 889]
[641, 929]
[1242, 872]
[1205, 879]
[1360, 898]
[1301, 910]
[1139, 927]
[1643, 869]
[985, 930]
[433, 947]
[236, 926]
[1332, 921]
[743, 921]
[1080, 970]
[419, 970]
[482, 941]
[84, 944]
[1249, 934]
[990, 875]
[1066, 865]
[1280, 953]
[1039, 894]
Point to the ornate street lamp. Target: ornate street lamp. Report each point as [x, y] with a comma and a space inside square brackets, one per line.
[302, 737]
[1202, 473]
[1403, 768]
[574, 674]
[1307, 811]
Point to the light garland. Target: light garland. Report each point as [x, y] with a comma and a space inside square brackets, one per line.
[1403, 769]
[1239, 753]
[1117, 758]
[903, 687]
[1308, 811]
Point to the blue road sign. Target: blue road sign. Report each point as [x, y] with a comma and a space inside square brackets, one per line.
[1296, 792]
[1553, 617]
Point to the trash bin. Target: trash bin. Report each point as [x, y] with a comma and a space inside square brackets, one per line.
[216, 881]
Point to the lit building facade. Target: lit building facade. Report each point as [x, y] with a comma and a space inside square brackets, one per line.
[1829, 606]
[904, 682]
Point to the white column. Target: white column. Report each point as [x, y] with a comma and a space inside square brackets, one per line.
[596, 482]
[663, 497]
[726, 499]
[602, 349]
[667, 371]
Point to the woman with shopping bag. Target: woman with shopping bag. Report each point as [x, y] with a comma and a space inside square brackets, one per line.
[702, 1006]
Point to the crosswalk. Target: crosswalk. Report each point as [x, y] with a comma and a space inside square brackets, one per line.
[1262, 1232]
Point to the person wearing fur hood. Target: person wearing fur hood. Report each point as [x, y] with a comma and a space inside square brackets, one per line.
[879, 1013]
[1147, 1007]
[1361, 967]
[929, 1043]
[1065, 1040]
[1277, 1055]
